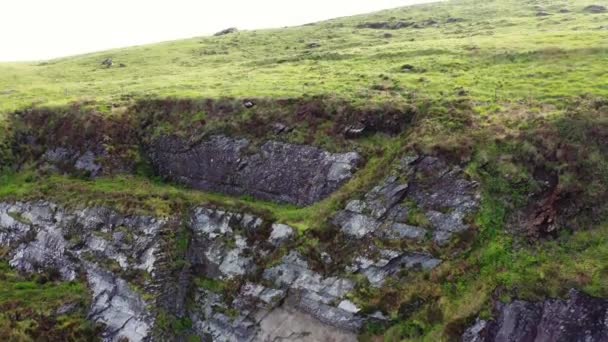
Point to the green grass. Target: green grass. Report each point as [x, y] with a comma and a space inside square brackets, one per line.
[500, 51]
[501, 89]
[144, 195]
[28, 306]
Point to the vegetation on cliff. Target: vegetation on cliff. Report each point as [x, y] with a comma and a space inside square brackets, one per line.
[515, 91]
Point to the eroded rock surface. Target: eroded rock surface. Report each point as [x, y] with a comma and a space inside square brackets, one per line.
[578, 318]
[424, 198]
[280, 172]
[422, 190]
[64, 159]
[46, 237]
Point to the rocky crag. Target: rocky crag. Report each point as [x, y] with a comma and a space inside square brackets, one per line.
[240, 278]
[279, 172]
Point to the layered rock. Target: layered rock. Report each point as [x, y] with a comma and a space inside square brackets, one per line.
[578, 318]
[46, 237]
[424, 198]
[87, 162]
[223, 248]
[279, 172]
[296, 304]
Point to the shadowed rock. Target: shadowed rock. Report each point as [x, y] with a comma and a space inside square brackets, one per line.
[595, 9]
[48, 237]
[578, 318]
[279, 172]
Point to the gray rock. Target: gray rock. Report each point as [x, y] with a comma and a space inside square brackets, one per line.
[446, 225]
[226, 31]
[121, 310]
[216, 247]
[87, 162]
[213, 223]
[579, 318]
[280, 234]
[280, 172]
[436, 188]
[13, 225]
[356, 225]
[390, 264]
[334, 316]
[404, 231]
[383, 197]
[314, 294]
[477, 332]
[234, 263]
[210, 320]
[258, 296]
[62, 240]
[47, 251]
[356, 206]
[290, 325]
[349, 306]
[64, 159]
[58, 155]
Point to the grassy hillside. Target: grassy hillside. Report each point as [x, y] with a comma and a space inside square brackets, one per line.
[513, 89]
[497, 51]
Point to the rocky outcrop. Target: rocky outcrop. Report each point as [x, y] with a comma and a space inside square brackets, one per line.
[46, 237]
[67, 160]
[578, 318]
[314, 294]
[424, 198]
[110, 250]
[223, 248]
[423, 190]
[314, 305]
[279, 172]
[117, 306]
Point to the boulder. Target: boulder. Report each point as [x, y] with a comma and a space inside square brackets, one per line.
[595, 9]
[51, 238]
[226, 31]
[123, 312]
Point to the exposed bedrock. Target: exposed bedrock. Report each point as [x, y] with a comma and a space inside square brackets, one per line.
[423, 201]
[578, 318]
[279, 172]
[96, 242]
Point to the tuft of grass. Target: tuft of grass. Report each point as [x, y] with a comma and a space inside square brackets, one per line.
[28, 306]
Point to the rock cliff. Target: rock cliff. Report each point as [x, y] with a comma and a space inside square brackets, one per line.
[277, 172]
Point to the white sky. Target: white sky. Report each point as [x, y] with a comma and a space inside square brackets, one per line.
[42, 29]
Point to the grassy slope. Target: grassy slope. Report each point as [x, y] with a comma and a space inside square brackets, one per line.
[520, 71]
[501, 51]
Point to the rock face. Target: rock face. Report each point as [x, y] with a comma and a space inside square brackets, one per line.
[223, 248]
[421, 189]
[63, 159]
[118, 307]
[47, 237]
[288, 301]
[424, 198]
[279, 172]
[579, 318]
